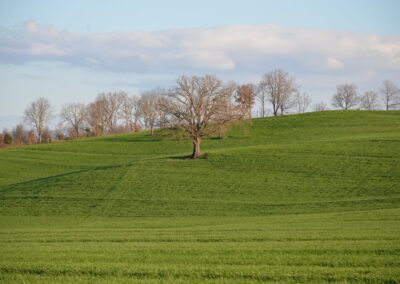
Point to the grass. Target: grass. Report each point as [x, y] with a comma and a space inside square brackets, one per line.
[298, 199]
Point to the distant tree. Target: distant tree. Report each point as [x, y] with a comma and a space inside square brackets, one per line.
[199, 105]
[345, 97]
[228, 110]
[7, 138]
[137, 126]
[60, 134]
[130, 112]
[261, 97]
[19, 134]
[149, 108]
[38, 114]
[31, 138]
[59, 131]
[164, 119]
[390, 95]
[245, 95]
[302, 102]
[278, 87]
[74, 114]
[109, 104]
[1, 138]
[96, 116]
[321, 106]
[369, 100]
[46, 135]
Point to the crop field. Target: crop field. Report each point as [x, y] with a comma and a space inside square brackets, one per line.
[308, 198]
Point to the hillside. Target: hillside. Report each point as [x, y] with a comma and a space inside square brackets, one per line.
[303, 198]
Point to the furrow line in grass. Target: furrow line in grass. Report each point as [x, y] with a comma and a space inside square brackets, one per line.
[225, 240]
[279, 273]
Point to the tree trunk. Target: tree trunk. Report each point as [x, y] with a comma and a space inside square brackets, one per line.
[40, 138]
[263, 109]
[151, 130]
[136, 125]
[275, 109]
[196, 147]
[77, 132]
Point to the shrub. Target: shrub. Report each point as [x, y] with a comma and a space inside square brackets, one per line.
[8, 139]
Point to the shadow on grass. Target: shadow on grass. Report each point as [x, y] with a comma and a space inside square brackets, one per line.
[187, 157]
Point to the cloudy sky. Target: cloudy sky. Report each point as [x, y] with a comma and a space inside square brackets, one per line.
[69, 51]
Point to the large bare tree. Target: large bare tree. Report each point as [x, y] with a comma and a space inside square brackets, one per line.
[345, 97]
[390, 94]
[369, 100]
[302, 102]
[245, 95]
[200, 106]
[278, 87]
[74, 114]
[38, 114]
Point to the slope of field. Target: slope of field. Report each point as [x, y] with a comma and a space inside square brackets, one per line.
[303, 198]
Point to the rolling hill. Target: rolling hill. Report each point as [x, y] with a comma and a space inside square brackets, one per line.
[301, 198]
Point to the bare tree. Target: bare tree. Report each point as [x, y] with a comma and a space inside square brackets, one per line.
[279, 88]
[74, 114]
[46, 135]
[130, 112]
[163, 116]
[149, 108]
[137, 114]
[127, 111]
[38, 114]
[7, 137]
[302, 101]
[390, 95]
[31, 138]
[261, 97]
[96, 116]
[19, 134]
[345, 97]
[219, 125]
[321, 106]
[60, 135]
[369, 100]
[245, 95]
[199, 105]
[112, 103]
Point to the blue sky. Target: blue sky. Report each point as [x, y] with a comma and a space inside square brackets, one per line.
[379, 16]
[72, 50]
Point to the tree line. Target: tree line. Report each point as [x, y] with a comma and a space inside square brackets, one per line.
[200, 106]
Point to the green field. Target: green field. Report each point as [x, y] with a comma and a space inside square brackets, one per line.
[302, 198]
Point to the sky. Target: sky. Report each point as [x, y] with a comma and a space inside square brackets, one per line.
[69, 51]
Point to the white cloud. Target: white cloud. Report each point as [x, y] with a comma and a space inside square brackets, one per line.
[334, 64]
[240, 48]
[44, 49]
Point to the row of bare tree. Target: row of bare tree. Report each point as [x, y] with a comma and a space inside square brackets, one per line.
[346, 97]
[199, 105]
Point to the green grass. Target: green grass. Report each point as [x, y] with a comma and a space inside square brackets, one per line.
[300, 199]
